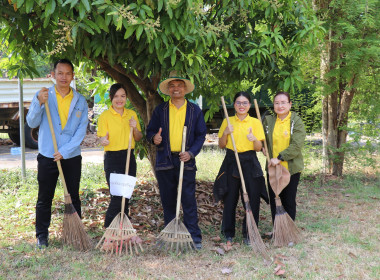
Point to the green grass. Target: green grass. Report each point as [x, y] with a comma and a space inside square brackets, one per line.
[338, 217]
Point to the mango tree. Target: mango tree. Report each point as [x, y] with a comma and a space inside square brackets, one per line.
[137, 43]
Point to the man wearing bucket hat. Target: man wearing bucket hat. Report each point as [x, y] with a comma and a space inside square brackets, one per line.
[165, 131]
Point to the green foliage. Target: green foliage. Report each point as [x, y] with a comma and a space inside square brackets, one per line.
[220, 45]
[352, 78]
[212, 40]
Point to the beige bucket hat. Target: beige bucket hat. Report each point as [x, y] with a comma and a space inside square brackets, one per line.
[173, 76]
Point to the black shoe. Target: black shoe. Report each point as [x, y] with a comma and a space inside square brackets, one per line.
[247, 241]
[42, 242]
[197, 245]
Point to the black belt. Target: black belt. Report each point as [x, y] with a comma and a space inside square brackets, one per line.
[175, 154]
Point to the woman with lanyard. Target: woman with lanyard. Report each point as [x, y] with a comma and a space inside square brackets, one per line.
[114, 126]
[248, 134]
[285, 135]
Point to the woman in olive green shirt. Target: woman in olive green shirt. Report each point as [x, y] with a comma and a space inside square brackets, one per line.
[285, 135]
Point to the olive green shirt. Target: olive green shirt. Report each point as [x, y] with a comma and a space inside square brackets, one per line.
[293, 153]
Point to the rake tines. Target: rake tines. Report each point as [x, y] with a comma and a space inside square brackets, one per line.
[119, 234]
[175, 236]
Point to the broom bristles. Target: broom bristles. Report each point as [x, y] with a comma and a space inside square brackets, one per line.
[73, 232]
[256, 242]
[285, 230]
[116, 237]
[175, 234]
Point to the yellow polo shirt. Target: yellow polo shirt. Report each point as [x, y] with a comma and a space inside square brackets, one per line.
[118, 128]
[64, 106]
[241, 130]
[281, 137]
[176, 123]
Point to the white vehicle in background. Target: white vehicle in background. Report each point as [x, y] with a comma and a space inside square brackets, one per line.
[9, 108]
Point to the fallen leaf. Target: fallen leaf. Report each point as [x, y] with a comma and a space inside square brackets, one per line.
[278, 262]
[220, 251]
[352, 255]
[278, 267]
[280, 272]
[227, 246]
[226, 270]
[216, 239]
[94, 224]
[282, 257]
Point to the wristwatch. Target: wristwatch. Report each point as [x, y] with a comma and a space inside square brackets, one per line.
[279, 157]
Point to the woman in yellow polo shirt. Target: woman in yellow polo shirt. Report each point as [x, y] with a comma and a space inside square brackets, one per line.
[285, 135]
[248, 134]
[114, 126]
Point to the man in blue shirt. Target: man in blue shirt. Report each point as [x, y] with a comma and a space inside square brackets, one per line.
[69, 117]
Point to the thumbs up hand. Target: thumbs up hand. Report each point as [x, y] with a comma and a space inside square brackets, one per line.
[157, 139]
[250, 135]
[104, 141]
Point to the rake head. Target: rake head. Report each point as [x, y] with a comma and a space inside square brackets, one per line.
[285, 230]
[175, 236]
[120, 237]
[73, 232]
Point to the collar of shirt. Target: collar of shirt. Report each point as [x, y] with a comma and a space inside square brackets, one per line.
[71, 94]
[116, 113]
[244, 120]
[284, 120]
[180, 108]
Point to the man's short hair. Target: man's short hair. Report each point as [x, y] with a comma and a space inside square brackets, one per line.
[63, 61]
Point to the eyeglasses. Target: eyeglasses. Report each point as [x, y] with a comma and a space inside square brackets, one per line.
[280, 103]
[245, 103]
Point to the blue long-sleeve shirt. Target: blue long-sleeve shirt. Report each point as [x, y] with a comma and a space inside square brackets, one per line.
[195, 136]
[69, 138]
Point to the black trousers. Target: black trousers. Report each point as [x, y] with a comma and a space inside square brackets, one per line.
[288, 196]
[168, 185]
[47, 180]
[114, 162]
[254, 187]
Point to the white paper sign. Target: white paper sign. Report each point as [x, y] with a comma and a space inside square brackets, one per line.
[122, 185]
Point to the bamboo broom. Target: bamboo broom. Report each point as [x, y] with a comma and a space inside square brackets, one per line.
[285, 230]
[121, 232]
[253, 233]
[73, 232]
[176, 233]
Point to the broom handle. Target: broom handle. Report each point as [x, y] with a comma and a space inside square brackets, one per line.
[181, 168]
[235, 150]
[127, 167]
[265, 141]
[55, 147]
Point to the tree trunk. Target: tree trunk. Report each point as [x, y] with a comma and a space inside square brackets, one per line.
[324, 69]
[345, 104]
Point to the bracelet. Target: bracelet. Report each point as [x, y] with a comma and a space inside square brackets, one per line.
[279, 157]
